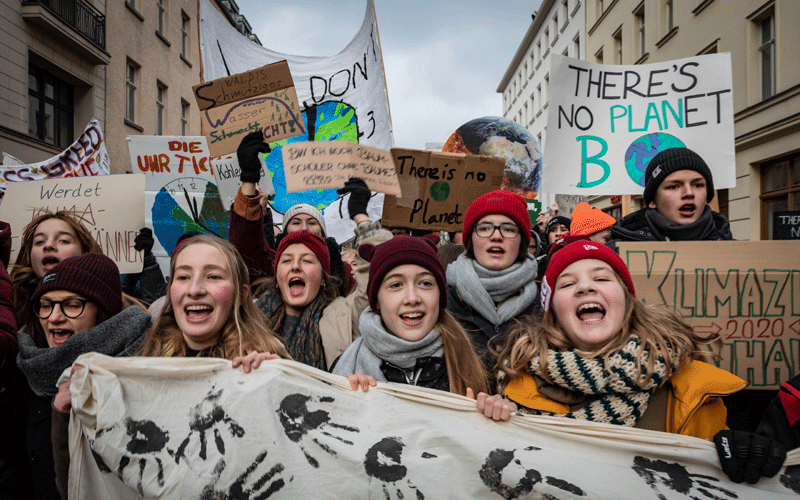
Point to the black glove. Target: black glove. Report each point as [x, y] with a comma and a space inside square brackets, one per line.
[359, 196]
[747, 456]
[144, 240]
[247, 154]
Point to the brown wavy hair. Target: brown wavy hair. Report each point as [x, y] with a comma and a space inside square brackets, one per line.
[244, 332]
[24, 280]
[659, 329]
[464, 368]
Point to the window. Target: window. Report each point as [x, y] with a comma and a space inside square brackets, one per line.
[50, 111]
[555, 24]
[539, 51]
[618, 47]
[184, 118]
[670, 12]
[526, 70]
[539, 95]
[767, 56]
[780, 190]
[577, 42]
[525, 115]
[566, 52]
[533, 106]
[600, 8]
[161, 19]
[161, 95]
[546, 39]
[598, 56]
[565, 4]
[532, 63]
[130, 92]
[640, 31]
[184, 35]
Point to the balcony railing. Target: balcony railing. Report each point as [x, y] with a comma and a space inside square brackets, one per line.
[81, 16]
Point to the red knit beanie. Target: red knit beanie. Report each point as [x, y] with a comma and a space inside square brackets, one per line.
[311, 241]
[500, 202]
[402, 249]
[92, 276]
[587, 220]
[574, 252]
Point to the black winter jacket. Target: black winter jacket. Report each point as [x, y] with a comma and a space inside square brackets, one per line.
[636, 227]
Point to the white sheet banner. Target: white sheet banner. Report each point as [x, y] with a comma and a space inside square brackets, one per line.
[606, 122]
[346, 91]
[195, 428]
[87, 156]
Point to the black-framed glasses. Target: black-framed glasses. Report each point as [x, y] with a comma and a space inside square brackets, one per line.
[507, 230]
[71, 307]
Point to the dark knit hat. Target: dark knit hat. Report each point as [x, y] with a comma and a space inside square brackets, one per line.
[92, 276]
[669, 161]
[500, 202]
[312, 241]
[402, 249]
[574, 252]
[552, 223]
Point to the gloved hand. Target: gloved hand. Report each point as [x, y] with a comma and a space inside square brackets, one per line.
[359, 195]
[747, 456]
[144, 240]
[247, 154]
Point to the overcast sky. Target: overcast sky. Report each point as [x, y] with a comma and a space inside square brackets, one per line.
[443, 58]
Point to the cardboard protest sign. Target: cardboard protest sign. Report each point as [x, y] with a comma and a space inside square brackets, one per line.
[438, 187]
[110, 207]
[606, 122]
[181, 193]
[326, 165]
[260, 99]
[226, 171]
[786, 225]
[87, 156]
[747, 291]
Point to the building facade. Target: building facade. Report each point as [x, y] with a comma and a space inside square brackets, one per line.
[130, 64]
[761, 36]
[557, 28]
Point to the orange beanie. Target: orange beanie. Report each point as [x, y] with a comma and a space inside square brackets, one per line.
[587, 220]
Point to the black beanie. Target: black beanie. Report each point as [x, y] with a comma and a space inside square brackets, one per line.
[669, 161]
[92, 275]
[558, 219]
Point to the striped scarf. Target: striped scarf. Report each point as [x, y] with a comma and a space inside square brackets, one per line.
[615, 396]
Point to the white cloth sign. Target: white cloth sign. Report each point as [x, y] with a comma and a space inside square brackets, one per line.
[606, 122]
[195, 428]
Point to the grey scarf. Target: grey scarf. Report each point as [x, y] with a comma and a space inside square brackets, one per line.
[377, 345]
[482, 288]
[705, 228]
[119, 335]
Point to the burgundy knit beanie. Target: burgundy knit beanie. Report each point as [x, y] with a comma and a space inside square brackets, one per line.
[312, 242]
[500, 202]
[92, 276]
[574, 252]
[402, 249]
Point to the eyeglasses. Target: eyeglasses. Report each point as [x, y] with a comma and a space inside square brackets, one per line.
[507, 230]
[71, 307]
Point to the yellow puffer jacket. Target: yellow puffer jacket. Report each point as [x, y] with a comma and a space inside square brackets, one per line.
[694, 405]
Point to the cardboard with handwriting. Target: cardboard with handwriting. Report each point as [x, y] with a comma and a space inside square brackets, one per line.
[746, 291]
[261, 99]
[438, 187]
[110, 207]
[326, 165]
[227, 172]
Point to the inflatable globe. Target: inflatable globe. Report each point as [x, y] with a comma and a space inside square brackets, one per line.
[496, 136]
[643, 149]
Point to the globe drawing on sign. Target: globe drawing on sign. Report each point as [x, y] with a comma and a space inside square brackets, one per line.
[332, 121]
[496, 136]
[643, 149]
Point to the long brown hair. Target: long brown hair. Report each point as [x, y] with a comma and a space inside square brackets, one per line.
[464, 368]
[659, 329]
[23, 278]
[244, 332]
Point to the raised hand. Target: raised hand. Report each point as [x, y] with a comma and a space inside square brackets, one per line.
[247, 154]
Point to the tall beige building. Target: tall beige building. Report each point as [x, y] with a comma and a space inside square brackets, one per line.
[762, 39]
[131, 64]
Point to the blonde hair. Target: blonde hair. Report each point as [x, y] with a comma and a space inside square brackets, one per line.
[658, 328]
[245, 330]
[464, 369]
[23, 277]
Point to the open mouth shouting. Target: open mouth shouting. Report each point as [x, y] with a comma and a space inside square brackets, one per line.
[296, 286]
[49, 262]
[591, 313]
[60, 335]
[197, 313]
[412, 319]
[687, 209]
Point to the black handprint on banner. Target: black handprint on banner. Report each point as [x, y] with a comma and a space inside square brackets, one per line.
[791, 478]
[675, 477]
[249, 485]
[147, 440]
[383, 463]
[505, 474]
[207, 415]
[298, 421]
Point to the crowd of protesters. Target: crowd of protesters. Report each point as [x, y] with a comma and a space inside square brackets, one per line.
[524, 318]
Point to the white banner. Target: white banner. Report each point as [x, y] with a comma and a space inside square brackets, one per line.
[348, 90]
[87, 156]
[195, 428]
[606, 122]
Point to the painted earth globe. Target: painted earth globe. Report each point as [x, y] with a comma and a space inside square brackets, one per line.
[643, 149]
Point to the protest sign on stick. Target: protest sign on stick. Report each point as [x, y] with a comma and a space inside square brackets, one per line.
[746, 291]
[260, 99]
[227, 173]
[606, 122]
[97, 202]
[326, 165]
[438, 187]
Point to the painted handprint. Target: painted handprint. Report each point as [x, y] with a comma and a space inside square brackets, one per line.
[383, 462]
[208, 415]
[504, 473]
[659, 474]
[251, 483]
